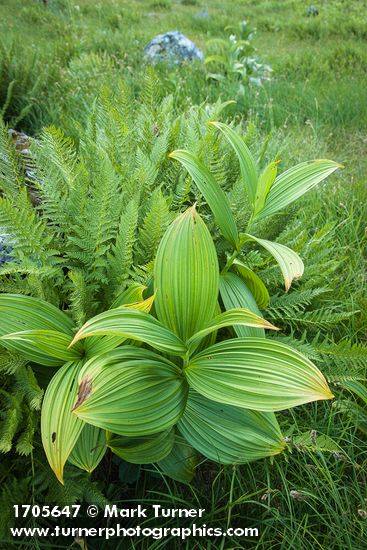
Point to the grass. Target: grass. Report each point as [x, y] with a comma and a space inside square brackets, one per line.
[52, 64]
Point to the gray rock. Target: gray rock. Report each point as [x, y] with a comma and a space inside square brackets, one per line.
[312, 10]
[5, 251]
[173, 48]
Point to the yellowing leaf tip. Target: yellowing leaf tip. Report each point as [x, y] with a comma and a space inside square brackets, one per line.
[74, 340]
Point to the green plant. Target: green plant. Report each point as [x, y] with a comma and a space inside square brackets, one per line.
[232, 60]
[135, 393]
[198, 380]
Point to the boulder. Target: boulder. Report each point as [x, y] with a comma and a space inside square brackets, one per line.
[173, 48]
[5, 251]
[312, 10]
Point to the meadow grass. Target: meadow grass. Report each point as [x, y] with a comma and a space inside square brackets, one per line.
[52, 63]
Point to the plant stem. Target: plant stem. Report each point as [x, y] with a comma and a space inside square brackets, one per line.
[230, 261]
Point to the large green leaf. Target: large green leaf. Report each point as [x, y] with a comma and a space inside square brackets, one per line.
[213, 193]
[254, 283]
[264, 185]
[228, 434]
[186, 276]
[296, 181]
[234, 294]
[131, 392]
[89, 449]
[131, 295]
[181, 462]
[246, 160]
[142, 450]
[35, 344]
[60, 428]
[289, 262]
[233, 317]
[97, 345]
[357, 388]
[256, 373]
[20, 313]
[131, 323]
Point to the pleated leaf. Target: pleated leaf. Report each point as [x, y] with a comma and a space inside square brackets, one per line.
[289, 262]
[181, 462]
[256, 373]
[142, 450]
[254, 283]
[246, 160]
[134, 293]
[186, 276]
[97, 345]
[20, 313]
[227, 434]
[264, 185]
[357, 388]
[213, 193]
[233, 317]
[129, 396]
[130, 323]
[46, 347]
[89, 449]
[296, 181]
[235, 294]
[60, 428]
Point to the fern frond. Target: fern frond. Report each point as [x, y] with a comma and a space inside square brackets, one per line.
[10, 362]
[120, 259]
[154, 225]
[27, 385]
[11, 173]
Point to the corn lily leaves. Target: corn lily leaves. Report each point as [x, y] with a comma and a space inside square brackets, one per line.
[142, 450]
[186, 276]
[246, 160]
[357, 388]
[23, 319]
[131, 397]
[181, 462]
[46, 347]
[235, 294]
[89, 449]
[213, 193]
[254, 283]
[19, 312]
[256, 373]
[134, 293]
[97, 345]
[289, 262]
[293, 183]
[264, 185]
[60, 428]
[227, 434]
[134, 324]
[233, 317]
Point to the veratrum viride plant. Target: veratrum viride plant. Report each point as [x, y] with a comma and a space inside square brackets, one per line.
[156, 378]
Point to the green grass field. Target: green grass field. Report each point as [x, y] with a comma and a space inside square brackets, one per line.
[55, 60]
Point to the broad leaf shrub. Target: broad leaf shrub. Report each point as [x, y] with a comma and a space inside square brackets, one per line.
[111, 394]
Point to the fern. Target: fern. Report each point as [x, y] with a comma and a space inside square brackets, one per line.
[10, 418]
[154, 224]
[11, 176]
[26, 384]
[121, 256]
